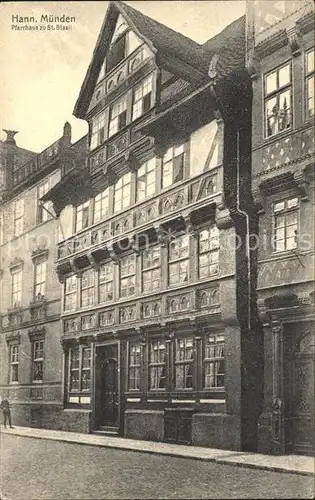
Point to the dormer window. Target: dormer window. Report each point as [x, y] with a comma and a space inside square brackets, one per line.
[117, 116]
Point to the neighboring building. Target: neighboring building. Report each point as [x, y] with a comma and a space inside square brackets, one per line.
[30, 294]
[159, 322]
[281, 62]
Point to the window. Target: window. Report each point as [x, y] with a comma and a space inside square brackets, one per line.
[116, 53]
[14, 363]
[98, 130]
[184, 363]
[214, 362]
[74, 379]
[127, 276]
[82, 216]
[278, 115]
[16, 288]
[40, 279]
[122, 193]
[80, 369]
[178, 263]
[173, 166]
[70, 293]
[310, 83]
[18, 217]
[157, 366]
[87, 288]
[106, 282]
[286, 224]
[146, 180]
[134, 366]
[86, 369]
[142, 98]
[117, 116]
[38, 360]
[101, 206]
[151, 269]
[208, 252]
[45, 210]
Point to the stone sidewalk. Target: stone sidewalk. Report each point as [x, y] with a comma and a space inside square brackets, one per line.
[294, 464]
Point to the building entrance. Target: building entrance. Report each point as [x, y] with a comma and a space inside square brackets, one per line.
[107, 388]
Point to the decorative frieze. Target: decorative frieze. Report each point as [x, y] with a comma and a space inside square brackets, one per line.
[127, 314]
[151, 309]
[88, 321]
[107, 318]
[70, 325]
[179, 303]
[209, 297]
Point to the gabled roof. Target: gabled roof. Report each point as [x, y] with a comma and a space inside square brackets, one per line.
[229, 44]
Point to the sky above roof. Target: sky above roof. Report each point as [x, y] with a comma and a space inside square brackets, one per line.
[44, 70]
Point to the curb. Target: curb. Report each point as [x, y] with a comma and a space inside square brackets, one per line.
[219, 461]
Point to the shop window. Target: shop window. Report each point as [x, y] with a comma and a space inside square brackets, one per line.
[278, 100]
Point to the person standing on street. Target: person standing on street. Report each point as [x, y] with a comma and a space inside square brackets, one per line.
[5, 406]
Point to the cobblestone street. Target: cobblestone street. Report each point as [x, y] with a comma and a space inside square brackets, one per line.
[42, 469]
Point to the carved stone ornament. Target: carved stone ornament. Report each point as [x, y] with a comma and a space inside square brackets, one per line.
[37, 332]
[294, 40]
[17, 262]
[93, 262]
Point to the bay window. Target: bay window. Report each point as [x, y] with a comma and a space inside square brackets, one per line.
[146, 177]
[178, 260]
[278, 98]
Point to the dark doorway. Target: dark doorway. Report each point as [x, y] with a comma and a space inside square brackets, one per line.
[107, 388]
